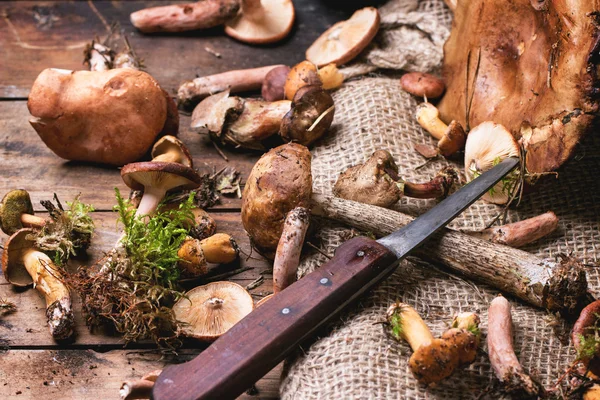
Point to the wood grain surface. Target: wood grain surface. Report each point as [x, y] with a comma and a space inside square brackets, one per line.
[39, 35]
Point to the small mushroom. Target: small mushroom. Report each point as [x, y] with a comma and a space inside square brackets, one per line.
[345, 40]
[192, 262]
[220, 248]
[156, 178]
[201, 227]
[376, 182]
[465, 335]
[185, 17]
[23, 265]
[306, 73]
[585, 337]
[170, 149]
[16, 212]
[451, 137]
[422, 85]
[274, 82]
[521, 233]
[195, 254]
[487, 145]
[140, 388]
[262, 21]
[206, 312]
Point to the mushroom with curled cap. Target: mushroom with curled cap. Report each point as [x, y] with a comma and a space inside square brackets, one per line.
[262, 21]
[23, 265]
[16, 212]
[206, 312]
[487, 145]
[275, 205]
[170, 149]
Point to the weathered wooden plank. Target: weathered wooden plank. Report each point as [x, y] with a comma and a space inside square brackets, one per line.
[38, 35]
[85, 374]
[26, 163]
[27, 326]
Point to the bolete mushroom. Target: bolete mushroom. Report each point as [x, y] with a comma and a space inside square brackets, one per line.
[23, 265]
[451, 137]
[110, 117]
[306, 73]
[206, 312]
[203, 14]
[345, 40]
[538, 68]
[487, 145]
[262, 21]
[376, 182]
[16, 212]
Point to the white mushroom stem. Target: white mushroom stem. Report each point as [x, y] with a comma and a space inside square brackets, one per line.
[244, 80]
[429, 118]
[30, 220]
[140, 388]
[520, 233]
[287, 256]
[47, 280]
[150, 200]
[100, 58]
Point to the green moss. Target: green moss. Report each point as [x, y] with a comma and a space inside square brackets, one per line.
[395, 322]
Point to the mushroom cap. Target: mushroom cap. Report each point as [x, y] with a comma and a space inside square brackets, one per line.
[167, 175]
[170, 144]
[274, 83]
[262, 21]
[111, 117]
[454, 139]
[14, 203]
[13, 266]
[488, 144]
[433, 362]
[280, 181]
[421, 85]
[465, 342]
[264, 300]
[211, 114]
[206, 312]
[192, 262]
[539, 67]
[345, 40]
[300, 75]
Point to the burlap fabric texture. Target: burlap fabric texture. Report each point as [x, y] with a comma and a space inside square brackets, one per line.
[354, 358]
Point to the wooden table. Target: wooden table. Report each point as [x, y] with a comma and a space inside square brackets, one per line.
[38, 35]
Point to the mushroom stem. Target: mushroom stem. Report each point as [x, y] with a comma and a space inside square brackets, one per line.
[289, 247]
[99, 57]
[220, 248]
[520, 233]
[554, 285]
[428, 118]
[408, 325]
[32, 221]
[244, 80]
[150, 200]
[47, 280]
[138, 389]
[438, 187]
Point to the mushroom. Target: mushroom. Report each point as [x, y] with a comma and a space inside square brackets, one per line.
[140, 388]
[110, 117]
[23, 265]
[16, 212]
[244, 80]
[306, 73]
[376, 182]
[345, 40]
[422, 85]
[465, 334]
[98, 57]
[206, 312]
[262, 21]
[192, 262]
[203, 14]
[274, 82]
[194, 254]
[487, 145]
[170, 149]
[451, 137]
[538, 68]
[220, 248]
[521, 233]
[275, 201]
[433, 359]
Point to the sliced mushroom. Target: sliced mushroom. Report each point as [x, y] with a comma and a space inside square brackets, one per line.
[16, 212]
[262, 21]
[345, 40]
[206, 312]
[23, 265]
[487, 145]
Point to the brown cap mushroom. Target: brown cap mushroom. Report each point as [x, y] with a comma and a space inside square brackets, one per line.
[156, 178]
[345, 40]
[262, 21]
[111, 117]
[206, 312]
[220, 248]
[422, 85]
[487, 145]
[273, 85]
[16, 212]
[23, 265]
[170, 149]
[192, 262]
[305, 73]
[465, 336]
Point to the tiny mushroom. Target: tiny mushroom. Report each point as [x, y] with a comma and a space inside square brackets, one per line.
[16, 212]
[345, 40]
[487, 145]
[195, 254]
[140, 388]
[220, 248]
[376, 182]
[206, 312]
[306, 73]
[262, 21]
[23, 265]
[185, 17]
[451, 137]
[422, 85]
[274, 82]
[275, 206]
[170, 149]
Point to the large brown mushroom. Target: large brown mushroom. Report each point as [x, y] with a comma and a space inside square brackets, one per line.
[262, 21]
[16, 212]
[23, 265]
[206, 312]
[535, 72]
[110, 117]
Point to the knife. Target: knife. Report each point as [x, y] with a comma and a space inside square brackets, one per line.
[257, 343]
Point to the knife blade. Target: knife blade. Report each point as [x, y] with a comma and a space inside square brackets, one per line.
[267, 335]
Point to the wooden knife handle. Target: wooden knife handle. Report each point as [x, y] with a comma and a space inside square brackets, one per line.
[256, 344]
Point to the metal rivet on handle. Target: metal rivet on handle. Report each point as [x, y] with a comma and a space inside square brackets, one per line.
[360, 253]
[285, 311]
[323, 281]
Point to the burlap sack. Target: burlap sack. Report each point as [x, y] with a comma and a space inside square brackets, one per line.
[354, 358]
